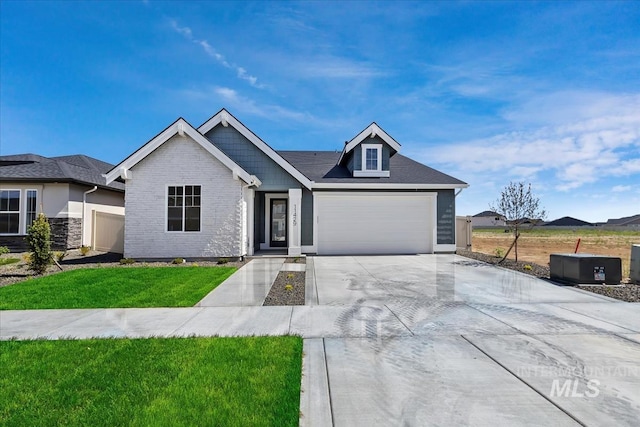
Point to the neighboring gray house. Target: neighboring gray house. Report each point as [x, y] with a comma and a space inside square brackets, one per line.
[69, 190]
[220, 191]
[567, 221]
[488, 219]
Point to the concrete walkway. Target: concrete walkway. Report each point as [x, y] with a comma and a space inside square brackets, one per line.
[248, 286]
[456, 343]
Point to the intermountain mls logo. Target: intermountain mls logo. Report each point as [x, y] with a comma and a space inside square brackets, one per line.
[573, 388]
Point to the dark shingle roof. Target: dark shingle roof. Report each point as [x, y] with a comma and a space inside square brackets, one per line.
[77, 168]
[567, 221]
[486, 214]
[322, 167]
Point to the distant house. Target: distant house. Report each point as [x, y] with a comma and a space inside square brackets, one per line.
[633, 221]
[488, 219]
[567, 221]
[69, 190]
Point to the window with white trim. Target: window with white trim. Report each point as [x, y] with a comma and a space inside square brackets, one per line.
[183, 208]
[9, 211]
[31, 209]
[371, 157]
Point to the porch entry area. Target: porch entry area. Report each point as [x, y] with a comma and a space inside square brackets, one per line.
[277, 221]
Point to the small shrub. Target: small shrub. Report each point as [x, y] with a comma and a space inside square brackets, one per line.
[223, 260]
[26, 257]
[290, 276]
[194, 264]
[60, 255]
[84, 250]
[296, 259]
[498, 252]
[7, 261]
[127, 261]
[288, 287]
[528, 267]
[4, 250]
[39, 241]
[178, 261]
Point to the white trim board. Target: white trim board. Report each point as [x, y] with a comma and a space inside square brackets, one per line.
[371, 131]
[179, 127]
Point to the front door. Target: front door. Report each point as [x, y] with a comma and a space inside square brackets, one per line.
[278, 221]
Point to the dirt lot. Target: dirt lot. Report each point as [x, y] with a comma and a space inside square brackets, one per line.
[536, 245]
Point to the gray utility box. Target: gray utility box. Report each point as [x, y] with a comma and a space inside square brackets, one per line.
[634, 272]
[585, 268]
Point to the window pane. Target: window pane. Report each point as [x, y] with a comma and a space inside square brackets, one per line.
[196, 190]
[371, 159]
[31, 206]
[174, 219]
[192, 219]
[10, 200]
[9, 223]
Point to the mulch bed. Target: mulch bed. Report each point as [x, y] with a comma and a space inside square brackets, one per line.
[288, 289]
[625, 292]
[18, 272]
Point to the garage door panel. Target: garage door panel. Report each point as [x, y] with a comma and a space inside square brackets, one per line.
[374, 224]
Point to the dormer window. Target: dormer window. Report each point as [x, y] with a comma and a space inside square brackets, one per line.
[371, 165]
[372, 157]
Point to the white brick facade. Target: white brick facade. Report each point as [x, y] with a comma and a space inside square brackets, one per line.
[181, 161]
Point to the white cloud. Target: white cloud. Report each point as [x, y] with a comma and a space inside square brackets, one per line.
[249, 106]
[583, 146]
[621, 188]
[241, 72]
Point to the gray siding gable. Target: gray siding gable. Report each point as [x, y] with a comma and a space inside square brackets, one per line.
[354, 157]
[252, 159]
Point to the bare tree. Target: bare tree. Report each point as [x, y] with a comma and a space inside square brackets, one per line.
[519, 207]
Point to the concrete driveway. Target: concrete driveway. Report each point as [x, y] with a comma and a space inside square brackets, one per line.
[444, 340]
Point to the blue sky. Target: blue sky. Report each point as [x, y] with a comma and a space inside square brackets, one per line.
[541, 92]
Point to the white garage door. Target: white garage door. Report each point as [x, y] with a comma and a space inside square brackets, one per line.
[375, 223]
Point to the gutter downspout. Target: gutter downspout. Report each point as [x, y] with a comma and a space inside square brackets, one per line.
[84, 202]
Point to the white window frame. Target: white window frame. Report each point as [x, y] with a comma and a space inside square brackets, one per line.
[26, 207]
[364, 172]
[166, 208]
[20, 212]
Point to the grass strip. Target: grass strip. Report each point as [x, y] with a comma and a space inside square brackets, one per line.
[115, 287]
[152, 382]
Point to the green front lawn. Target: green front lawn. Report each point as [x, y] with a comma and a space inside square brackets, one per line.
[151, 382]
[115, 287]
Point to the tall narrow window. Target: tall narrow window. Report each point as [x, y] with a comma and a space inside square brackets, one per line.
[371, 159]
[31, 207]
[183, 208]
[9, 211]
[192, 208]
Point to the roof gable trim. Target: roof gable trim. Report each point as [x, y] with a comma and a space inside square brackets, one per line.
[180, 127]
[225, 118]
[371, 131]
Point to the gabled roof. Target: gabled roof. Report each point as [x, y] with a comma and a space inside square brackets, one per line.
[76, 168]
[628, 220]
[487, 214]
[322, 167]
[567, 221]
[179, 127]
[370, 131]
[225, 118]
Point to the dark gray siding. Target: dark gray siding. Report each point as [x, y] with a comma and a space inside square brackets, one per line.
[357, 157]
[258, 220]
[251, 159]
[386, 152]
[350, 162]
[307, 218]
[446, 217]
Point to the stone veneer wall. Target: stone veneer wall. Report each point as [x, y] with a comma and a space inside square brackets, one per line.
[66, 233]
